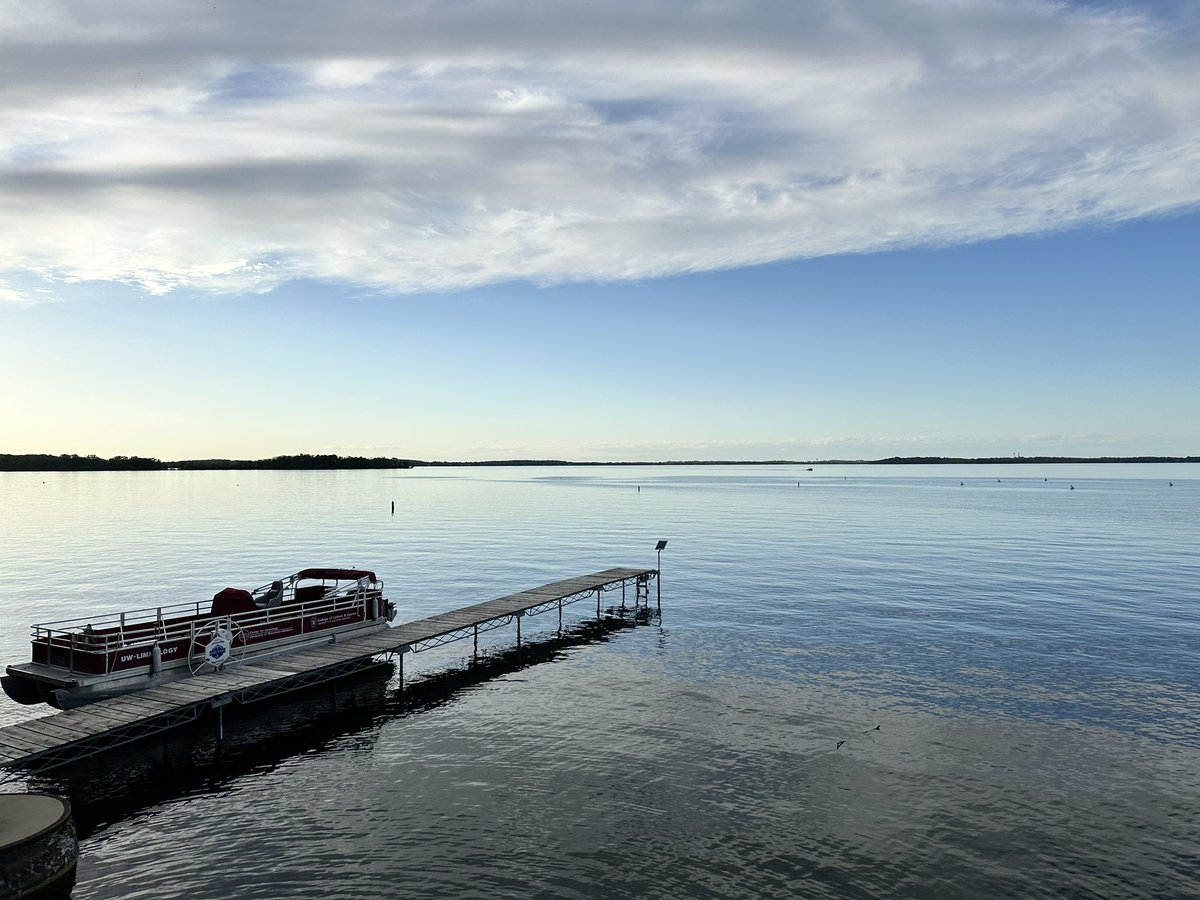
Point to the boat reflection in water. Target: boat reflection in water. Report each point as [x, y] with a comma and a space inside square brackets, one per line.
[259, 738]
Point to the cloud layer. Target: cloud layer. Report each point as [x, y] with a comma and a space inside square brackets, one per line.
[433, 146]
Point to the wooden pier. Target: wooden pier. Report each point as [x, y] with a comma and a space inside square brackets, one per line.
[77, 733]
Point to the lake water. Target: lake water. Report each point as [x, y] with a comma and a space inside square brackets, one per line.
[865, 682]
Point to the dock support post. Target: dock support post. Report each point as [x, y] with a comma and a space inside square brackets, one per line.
[401, 668]
[518, 631]
[560, 616]
[597, 604]
[219, 703]
[623, 596]
[475, 651]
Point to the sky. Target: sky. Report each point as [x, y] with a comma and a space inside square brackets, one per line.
[476, 229]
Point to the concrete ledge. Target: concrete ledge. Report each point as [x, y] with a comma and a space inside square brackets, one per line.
[38, 847]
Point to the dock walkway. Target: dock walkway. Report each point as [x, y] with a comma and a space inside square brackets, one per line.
[73, 734]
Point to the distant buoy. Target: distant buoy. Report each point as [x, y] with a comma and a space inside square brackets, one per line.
[1072, 487]
[38, 846]
[393, 507]
[1170, 484]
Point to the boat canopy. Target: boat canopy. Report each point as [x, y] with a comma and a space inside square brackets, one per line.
[336, 574]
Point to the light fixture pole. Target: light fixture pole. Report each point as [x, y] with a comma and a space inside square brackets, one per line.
[658, 572]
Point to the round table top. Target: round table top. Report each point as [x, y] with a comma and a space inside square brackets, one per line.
[25, 816]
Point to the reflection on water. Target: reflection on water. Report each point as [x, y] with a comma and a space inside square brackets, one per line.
[192, 761]
[866, 682]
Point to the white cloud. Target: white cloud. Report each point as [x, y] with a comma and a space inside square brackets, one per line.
[435, 146]
[11, 295]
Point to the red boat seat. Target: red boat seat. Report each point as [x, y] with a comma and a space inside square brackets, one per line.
[232, 600]
[310, 592]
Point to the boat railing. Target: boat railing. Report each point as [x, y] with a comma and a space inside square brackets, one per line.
[104, 636]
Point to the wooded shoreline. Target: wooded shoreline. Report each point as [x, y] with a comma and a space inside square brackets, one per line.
[45, 462]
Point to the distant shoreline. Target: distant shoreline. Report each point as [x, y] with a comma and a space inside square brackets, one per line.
[44, 462]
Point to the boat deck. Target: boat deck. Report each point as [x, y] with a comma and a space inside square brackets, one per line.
[73, 734]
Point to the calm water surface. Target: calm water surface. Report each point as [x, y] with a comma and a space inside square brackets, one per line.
[1011, 669]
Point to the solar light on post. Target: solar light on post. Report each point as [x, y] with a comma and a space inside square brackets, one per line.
[658, 572]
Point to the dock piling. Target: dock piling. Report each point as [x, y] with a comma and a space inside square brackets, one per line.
[219, 703]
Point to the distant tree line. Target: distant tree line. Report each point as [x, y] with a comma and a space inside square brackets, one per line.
[70, 462]
[569, 462]
[938, 460]
[299, 461]
[890, 461]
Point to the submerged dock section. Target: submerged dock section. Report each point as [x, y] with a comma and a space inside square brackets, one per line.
[74, 734]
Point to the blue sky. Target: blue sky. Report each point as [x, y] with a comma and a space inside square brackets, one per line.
[479, 230]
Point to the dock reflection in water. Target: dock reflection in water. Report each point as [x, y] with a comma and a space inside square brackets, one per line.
[258, 738]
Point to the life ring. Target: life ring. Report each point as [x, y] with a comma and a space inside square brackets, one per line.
[225, 645]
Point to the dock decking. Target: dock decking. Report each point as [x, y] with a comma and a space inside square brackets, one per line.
[73, 734]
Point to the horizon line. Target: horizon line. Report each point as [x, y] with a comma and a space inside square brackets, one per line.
[74, 462]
